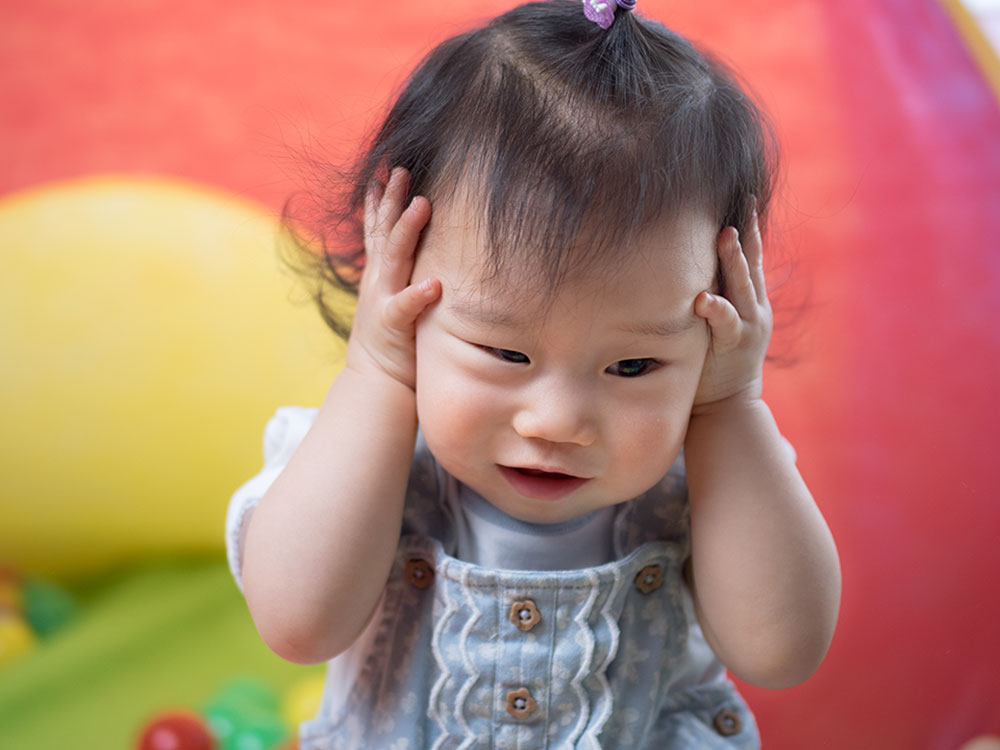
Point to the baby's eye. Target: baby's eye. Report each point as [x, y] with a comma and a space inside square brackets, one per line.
[633, 368]
[507, 355]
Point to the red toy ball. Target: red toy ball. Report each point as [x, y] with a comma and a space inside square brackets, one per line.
[176, 731]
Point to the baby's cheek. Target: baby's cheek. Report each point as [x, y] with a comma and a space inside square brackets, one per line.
[648, 443]
[454, 414]
[443, 404]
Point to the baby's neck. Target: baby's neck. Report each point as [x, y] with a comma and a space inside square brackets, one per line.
[490, 538]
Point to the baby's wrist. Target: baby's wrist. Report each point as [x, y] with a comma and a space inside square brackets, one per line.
[374, 384]
[369, 368]
[749, 397]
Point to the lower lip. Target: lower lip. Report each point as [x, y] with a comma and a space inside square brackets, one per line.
[541, 487]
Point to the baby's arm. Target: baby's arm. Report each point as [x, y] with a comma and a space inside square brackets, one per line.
[322, 541]
[764, 572]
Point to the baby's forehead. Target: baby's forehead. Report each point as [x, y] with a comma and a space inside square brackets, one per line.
[662, 309]
[639, 295]
[459, 243]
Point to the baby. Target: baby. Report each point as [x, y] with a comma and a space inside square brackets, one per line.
[489, 529]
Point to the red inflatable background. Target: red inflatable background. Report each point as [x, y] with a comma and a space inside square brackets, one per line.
[885, 241]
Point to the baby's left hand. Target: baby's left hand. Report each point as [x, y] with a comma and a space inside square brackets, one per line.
[740, 322]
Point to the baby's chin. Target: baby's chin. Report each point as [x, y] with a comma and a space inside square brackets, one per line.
[544, 511]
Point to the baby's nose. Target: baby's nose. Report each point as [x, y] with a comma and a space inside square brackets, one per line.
[558, 414]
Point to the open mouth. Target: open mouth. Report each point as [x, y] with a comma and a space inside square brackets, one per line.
[541, 485]
[545, 474]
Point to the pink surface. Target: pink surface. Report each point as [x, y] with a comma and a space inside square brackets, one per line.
[884, 239]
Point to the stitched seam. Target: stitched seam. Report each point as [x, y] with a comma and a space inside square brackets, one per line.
[470, 665]
[608, 696]
[497, 697]
[668, 562]
[529, 586]
[549, 713]
[589, 642]
[433, 709]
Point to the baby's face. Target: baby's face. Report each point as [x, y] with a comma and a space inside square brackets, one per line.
[550, 411]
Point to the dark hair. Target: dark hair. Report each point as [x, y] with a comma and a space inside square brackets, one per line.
[558, 127]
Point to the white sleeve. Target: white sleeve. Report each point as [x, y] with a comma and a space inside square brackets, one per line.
[282, 436]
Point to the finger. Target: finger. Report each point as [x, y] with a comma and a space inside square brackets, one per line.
[739, 287]
[373, 197]
[753, 248]
[404, 308]
[723, 318]
[391, 206]
[397, 260]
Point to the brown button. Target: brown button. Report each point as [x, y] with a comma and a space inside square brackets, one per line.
[419, 573]
[520, 704]
[649, 579]
[727, 723]
[525, 614]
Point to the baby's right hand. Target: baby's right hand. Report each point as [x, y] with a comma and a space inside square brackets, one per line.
[383, 334]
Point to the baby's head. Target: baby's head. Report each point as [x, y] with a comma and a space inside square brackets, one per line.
[579, 179]
[553, 130]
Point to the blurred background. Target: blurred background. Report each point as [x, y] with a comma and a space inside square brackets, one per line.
[148, 331]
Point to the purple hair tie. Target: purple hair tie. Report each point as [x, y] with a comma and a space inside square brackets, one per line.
[602, 12]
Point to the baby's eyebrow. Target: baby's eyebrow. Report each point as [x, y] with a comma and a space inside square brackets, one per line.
[508, 318]
[661, 328]
[476, 312]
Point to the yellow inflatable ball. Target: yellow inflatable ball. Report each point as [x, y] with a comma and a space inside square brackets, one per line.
[148, 330]
[301, 702]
